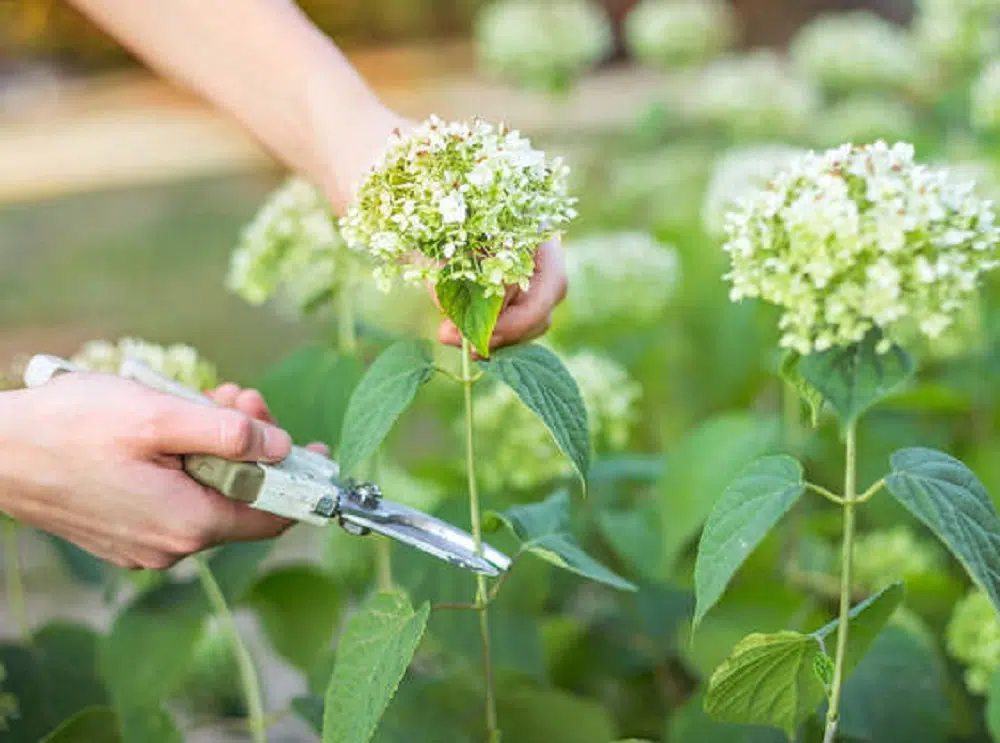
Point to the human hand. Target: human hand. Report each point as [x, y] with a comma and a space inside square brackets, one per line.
[96, 460]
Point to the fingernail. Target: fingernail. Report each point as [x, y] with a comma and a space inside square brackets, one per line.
[277, 443]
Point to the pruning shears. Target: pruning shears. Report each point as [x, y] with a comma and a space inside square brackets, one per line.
[305, 486]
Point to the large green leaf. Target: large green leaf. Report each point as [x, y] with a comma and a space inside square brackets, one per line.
[853, 378]
[92, 725]
[386, 390]
[700, 467]
[545, 386]
[300, 607]
[751, 506]
[771, 679]
[374, 653]
[308, 392]
[52, 680]
[544, 530]
[474, 314]
[946, 495]
[691, 724]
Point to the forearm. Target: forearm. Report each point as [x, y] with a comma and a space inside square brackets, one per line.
[264, 63]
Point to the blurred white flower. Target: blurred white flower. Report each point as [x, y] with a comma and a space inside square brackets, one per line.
[177, 361]
[752, 95]
[973, 637]
[864, 118]
[861, 237]
[292, 248]
[619, 276]
[427, 213]
[958, 33]
[542, 44]
[985, 104]
[738, 173]
[679, 33]
[523, 454]
[858, 50]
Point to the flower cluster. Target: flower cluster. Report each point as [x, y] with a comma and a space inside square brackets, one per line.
[857, 50]
[881, 557]
[973, 637]
[624, 276]
[292, 247]
[459, 201]
[751, 95]
[985, 113]
[861, 237]
[958, 33]
[531, 457]
[737, 174]
[179, 362]
[864, 118]
[542, 44]
[679, 33]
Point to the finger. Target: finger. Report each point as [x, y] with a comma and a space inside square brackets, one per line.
[252, 403]
[448, 334]
[319, 447]
[238, 522]
[225, 394]
[530, 310]
[181, 427]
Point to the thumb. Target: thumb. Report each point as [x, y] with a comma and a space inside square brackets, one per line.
[186, 428]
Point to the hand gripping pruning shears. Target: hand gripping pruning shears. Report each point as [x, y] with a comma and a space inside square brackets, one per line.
[305, 486]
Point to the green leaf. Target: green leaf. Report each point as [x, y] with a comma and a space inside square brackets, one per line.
[951, 501]
[854, 378]
[375, 651]
[151, 725]
[92, 725]
[825, 669]
[751, 506]
[771, 679]
[701, 466]
[544, 530]
[308, 393]
[790, 372]
[310, 709]
[386, 390]
[993, 707]
[474, 314]
[545, 386]
[300, 607]
[691, 724]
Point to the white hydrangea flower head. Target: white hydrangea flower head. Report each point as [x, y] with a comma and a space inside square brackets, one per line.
[882, 557]
[525, 454]
[985, 104]
[737, 174]
[624, 276]
[865, 118]
[861, 237]
[542, 44]
[178, 361]
[459, 201]
[858, 50]
[752, 95]
[958, 33]
[293, 249]
[973, 637]
[679, 33]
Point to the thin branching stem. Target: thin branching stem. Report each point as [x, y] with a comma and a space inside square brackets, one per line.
[492, 727]
[870, 493]
[15, 583]
[257, 722]
[820, 490]
[490, 598]
[847, 554]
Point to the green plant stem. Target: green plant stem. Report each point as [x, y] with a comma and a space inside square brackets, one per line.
[15, 584]
[492, 728]
[870, 493]
[257, 723]
[850, 486]
[489, 598]
[820, 490]
[346, 335]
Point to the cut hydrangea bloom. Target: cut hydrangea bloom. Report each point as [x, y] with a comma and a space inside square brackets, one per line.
[882, 557]
[861, 237]
[626, 276]
[459, 201]
[849, 51]
[178, 361]
[293, 248]
[985, 113]
[737, 174]
[751, 95]
[542, 44]
[675, 33]
[973, 637]
[531, 457]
